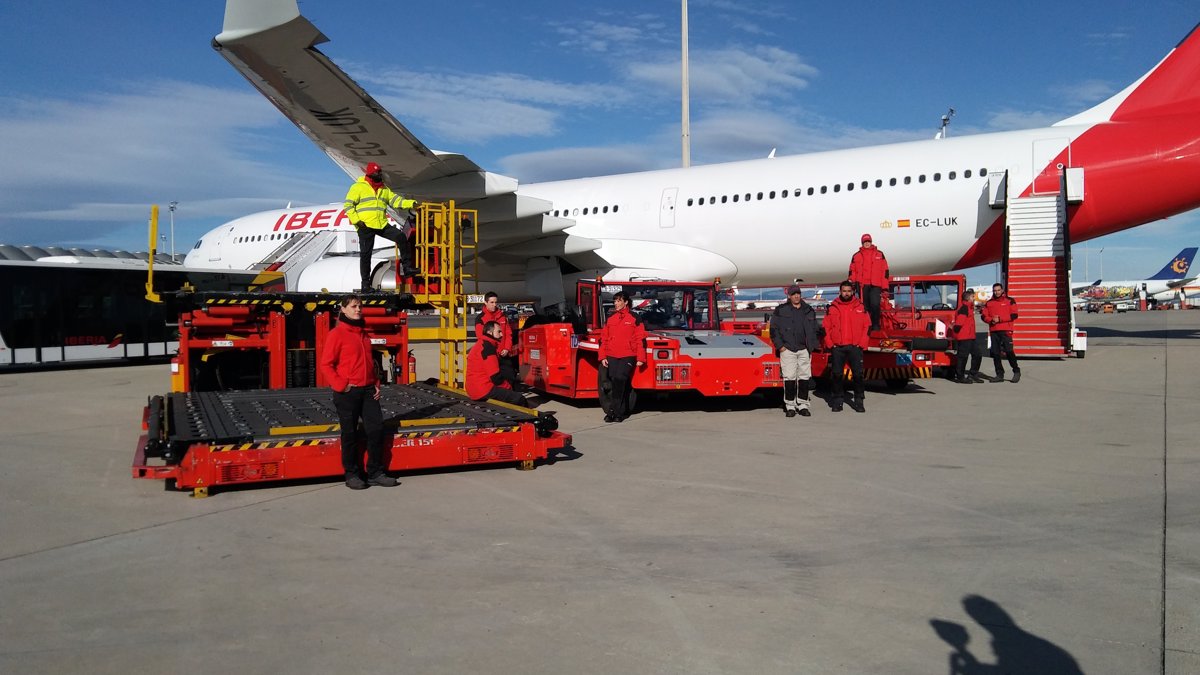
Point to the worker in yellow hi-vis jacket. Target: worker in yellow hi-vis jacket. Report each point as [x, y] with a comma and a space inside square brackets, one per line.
[366, 208]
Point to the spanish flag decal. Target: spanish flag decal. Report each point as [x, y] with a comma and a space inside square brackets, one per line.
[903, 223]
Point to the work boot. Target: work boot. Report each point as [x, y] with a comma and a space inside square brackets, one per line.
[355, 482]
[859, 406]
[1016, 376]
[999, 377]
[383, 480]
[609, 418]
[789, 413]
[409, 271]
[805, 413]
[837, 407]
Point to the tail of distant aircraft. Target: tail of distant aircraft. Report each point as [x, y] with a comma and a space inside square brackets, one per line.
[1178, 266]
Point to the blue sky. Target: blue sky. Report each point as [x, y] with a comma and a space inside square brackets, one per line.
[109, 107]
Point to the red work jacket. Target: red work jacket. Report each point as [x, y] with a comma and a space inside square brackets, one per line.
[1003, 311]
[483, 368]
[622, 336]
[347, 358]
[846, 323]
[869, 267]
[506, 341]
[964, 321]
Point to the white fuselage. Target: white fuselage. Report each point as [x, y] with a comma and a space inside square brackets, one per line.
[734, 221]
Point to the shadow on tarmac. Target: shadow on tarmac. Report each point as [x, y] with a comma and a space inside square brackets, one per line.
[1014, 650]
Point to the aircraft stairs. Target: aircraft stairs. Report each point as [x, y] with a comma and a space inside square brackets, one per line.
[1038, 275]
[297, 253]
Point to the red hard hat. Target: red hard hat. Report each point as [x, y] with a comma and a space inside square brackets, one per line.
[372, 168]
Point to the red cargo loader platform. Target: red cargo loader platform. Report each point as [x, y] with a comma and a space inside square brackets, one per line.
[201, 440]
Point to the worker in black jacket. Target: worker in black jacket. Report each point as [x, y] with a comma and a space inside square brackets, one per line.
[794, 334]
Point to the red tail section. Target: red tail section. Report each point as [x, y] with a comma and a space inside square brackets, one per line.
[1173, 88]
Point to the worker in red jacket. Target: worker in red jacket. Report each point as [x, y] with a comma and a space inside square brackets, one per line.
[621, 349]
[869, 274]
[1000, 312]
[349, 367]
[846, 325]
[491, 312]
[484, 380]
[966, 344]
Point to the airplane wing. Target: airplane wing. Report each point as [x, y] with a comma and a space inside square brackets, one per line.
[274, 47]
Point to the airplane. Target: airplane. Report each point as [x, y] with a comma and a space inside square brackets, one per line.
[925, 202]
[1162, 285]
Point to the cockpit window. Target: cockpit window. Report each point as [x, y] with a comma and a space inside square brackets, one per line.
[198, 244]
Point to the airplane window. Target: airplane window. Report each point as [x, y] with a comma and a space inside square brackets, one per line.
[849, 187]
[983, 172]
[783, 194]
[585, 211]
[824, 189]
[892, 182]
[712, 200]
[760, 196]
[798, 191]
[735, 198]
[606, 209]
[701, 202]
[937, 177]
[772, 195]
[921, 178]
[952, 175]
[595, 210]
[908, 180]
[810, 192]
[689, 201]
[198, 244]
[967, 173]
[864, 185]
[724, 198]
[837, 187]
[878, 182]
[614, 208]
[575, 212]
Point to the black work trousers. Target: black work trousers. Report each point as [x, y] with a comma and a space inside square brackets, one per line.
[506, 395]
[366, 244]
[839, 357]
[968, 349]
[357, 403]
[620, 372]
[1002, 344]
[871, 297]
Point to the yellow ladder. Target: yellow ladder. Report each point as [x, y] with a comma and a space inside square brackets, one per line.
[446, 238]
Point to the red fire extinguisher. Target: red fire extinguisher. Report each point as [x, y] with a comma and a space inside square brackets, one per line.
[412, 367]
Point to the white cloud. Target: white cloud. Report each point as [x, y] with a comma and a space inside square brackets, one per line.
[83, 168]
[730, 74]
[1083, 94]
[566, 163]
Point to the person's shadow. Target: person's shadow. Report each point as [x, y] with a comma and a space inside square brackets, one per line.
[1015, 650]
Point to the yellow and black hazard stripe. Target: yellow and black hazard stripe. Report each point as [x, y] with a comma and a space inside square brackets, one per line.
[270, 445]
[900, 373]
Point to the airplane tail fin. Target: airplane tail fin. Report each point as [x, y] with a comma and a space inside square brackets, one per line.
[1170, 88]
[1178, 266]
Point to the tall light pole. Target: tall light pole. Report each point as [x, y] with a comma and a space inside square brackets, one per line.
[1101, 263]
[172, 206]
[687, 132]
